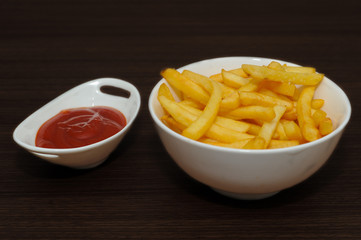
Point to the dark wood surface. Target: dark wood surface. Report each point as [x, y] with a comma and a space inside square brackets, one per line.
[48, 47]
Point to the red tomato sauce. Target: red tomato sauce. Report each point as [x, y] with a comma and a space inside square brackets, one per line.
[78, 127]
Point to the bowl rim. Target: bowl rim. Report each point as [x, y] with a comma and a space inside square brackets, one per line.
[61, 151]
[300, 147]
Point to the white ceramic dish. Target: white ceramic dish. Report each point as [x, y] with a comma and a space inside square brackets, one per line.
[85, 95]
[252, 174]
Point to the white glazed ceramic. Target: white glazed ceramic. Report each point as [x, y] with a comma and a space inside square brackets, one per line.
[252, 174]
[85, 95]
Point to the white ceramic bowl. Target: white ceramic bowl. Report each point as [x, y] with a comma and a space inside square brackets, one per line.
[252, 174]
[85, 95]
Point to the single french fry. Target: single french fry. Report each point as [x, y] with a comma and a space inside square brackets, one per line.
[199, 127]
[192, 103]
[181, 115]
[255, 143]
[249, 87]
[233, 80]
[306, 122]
[218, 77]
[185, 85]
[226, 135]
[318, 116]
[326, 126]
[165, 91]
[292, 130]
[297, 94]
[317, 103]
[268, 92]
[275, 66]
[230, 102]
[269, 128]
[226, 91]
[298, 69]
[173, 124]
[282, 76]
[252, 112]
[239, 71]
[284, 88]
[199, 79]
[282, 143]
[281, 133]
[211, 141]
[254, 98]
[255, 121]
[238, 144]
[290, 115]
[271, 93]
[254, 129]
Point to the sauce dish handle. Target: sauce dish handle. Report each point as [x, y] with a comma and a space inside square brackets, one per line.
[117, 87]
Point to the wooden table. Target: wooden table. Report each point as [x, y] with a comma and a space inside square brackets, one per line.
[48, 47]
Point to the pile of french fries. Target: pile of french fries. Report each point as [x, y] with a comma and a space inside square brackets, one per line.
[251, 107]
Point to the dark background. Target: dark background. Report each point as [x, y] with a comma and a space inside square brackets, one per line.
[48, 47]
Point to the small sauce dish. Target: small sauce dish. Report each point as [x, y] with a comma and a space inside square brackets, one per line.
[109, 92]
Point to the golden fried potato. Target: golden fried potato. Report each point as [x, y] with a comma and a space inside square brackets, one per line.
[305, 120]
[251, 107]
[199, 127]
[282, 76]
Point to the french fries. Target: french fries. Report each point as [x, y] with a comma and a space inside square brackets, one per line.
[269, 128]
[197, 129]
[307, 124]
[215, 131]
[303, 78]
[185, 85]
[252, 112]
[219, 78]
[251, 107]
[233, 80]
[259, 99]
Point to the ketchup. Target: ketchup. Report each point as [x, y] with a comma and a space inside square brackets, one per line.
[78, 127]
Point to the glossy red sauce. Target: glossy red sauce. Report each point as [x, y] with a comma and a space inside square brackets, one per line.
[79, 127]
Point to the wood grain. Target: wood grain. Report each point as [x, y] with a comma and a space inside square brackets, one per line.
[48, 47]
